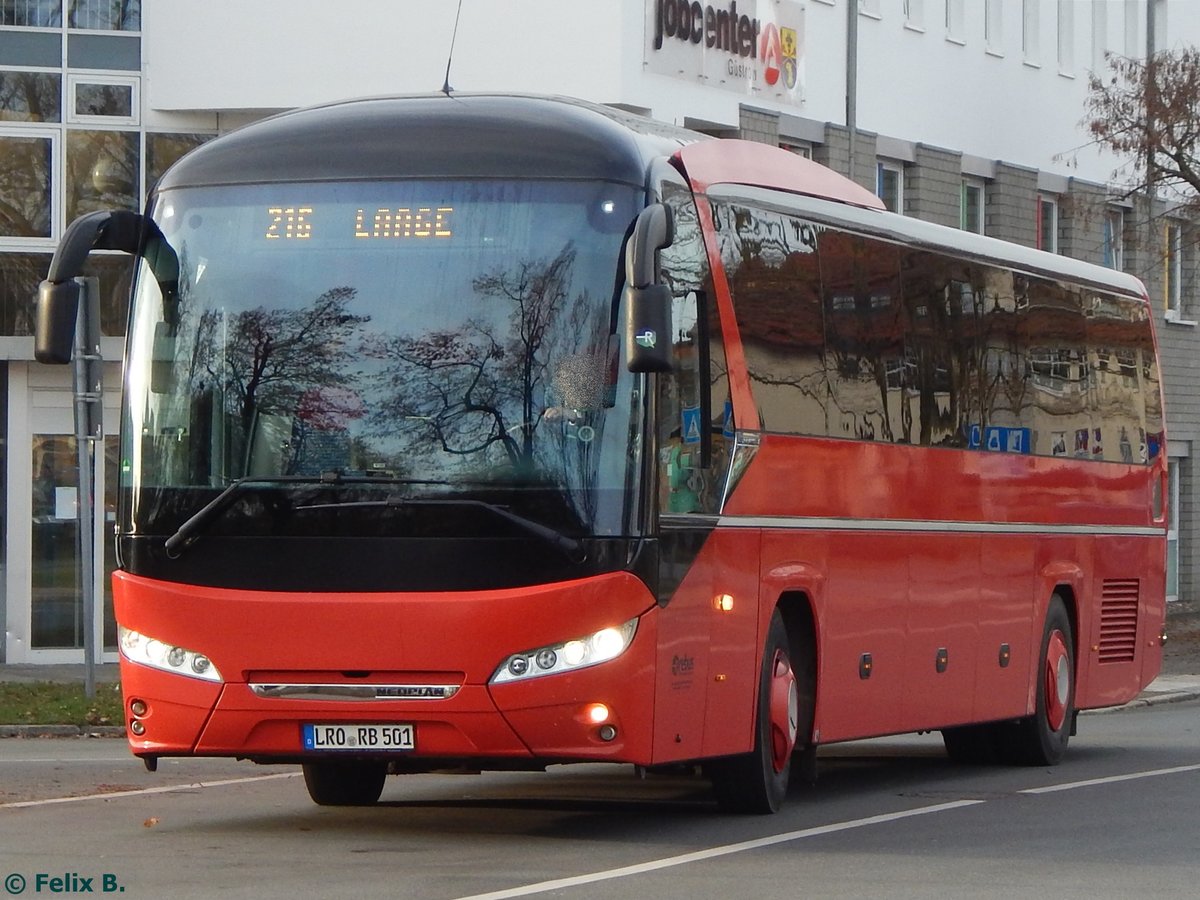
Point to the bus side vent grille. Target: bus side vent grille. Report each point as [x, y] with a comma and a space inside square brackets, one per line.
[1118, 620]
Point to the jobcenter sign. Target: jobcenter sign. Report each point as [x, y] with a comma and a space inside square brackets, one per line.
[754, 48]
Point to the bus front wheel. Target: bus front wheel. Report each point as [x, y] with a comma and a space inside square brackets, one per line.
[1041, 739]
[345, 783]
[757, 782]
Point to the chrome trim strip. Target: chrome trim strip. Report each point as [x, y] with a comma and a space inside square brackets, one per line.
[818, 523]
[355, 691]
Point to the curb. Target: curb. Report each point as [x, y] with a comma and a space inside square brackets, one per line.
[62, 731]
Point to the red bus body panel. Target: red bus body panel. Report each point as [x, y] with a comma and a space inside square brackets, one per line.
[434, 638]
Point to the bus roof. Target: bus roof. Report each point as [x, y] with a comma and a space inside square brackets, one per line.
[434, 136]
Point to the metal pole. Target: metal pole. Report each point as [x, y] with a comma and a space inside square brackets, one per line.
[852, 81]
[88, 394]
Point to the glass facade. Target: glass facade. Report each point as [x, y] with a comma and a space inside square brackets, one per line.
[72, 141]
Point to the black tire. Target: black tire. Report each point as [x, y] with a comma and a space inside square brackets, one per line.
[1041, 739]
[757, 782]
[355, 783]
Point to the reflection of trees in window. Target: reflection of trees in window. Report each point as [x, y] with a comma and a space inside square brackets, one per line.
[268, 360]
[481, 384]
[25, 174]
[771, 266]
[20, 274]
[164, 150]
[103, 100]
[30, 97]
[863, 330]
[102, 171]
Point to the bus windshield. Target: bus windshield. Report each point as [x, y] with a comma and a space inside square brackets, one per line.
[414, 340]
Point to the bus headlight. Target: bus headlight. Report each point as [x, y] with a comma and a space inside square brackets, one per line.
[148, 651]
[577, 653]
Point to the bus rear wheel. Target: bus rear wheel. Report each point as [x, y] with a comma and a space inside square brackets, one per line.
[757, 782]
[355, 783]
[1041, 739]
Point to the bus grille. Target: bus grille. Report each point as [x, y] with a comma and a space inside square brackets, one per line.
[1118, 620]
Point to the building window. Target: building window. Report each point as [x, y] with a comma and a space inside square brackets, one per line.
[1114, 239]
[889, 184]
[800, 148]
[1173, 270]
[31, 13]
[164, 150]
[26, 196]
[1173, 470]
[1161, 41]
[993, 26]
[111, 101]
[1031, 32]
[103, 171]
[954, 21]
[105, 15]
[1047, 223]
[30, 97]
[1133, 31]
[1099, 35]
[971, 208]
[914, 14]
[1066, 37]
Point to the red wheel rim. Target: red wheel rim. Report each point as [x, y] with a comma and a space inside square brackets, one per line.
[784, 708]
[1057, 681]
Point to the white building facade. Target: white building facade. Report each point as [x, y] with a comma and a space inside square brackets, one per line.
[964, 112]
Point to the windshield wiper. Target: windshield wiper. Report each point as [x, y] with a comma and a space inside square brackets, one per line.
[568, 546]
[191, 529]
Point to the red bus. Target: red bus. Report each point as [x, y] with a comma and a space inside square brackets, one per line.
[501, 432]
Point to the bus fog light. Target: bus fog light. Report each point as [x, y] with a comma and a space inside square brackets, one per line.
[137, 727]
[597, 713]
[138, 707]
[607, 732]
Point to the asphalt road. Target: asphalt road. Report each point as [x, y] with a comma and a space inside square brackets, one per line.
[888, 818]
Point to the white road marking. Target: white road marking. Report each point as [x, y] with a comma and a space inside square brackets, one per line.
[1132, 776]
[165, 789]
[713, 852]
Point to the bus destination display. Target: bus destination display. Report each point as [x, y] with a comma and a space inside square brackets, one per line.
[405, 222]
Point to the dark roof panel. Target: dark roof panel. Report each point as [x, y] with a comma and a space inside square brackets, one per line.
[434, 136]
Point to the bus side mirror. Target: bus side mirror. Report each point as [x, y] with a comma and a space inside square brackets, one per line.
[58, 295]
[57, 308]
[647, 302]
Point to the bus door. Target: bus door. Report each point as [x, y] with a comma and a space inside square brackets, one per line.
[707, 656]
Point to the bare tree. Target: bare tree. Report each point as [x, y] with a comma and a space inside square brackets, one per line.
[1148, 112]
[480, 384]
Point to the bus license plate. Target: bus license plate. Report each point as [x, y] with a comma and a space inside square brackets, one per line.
[359, 737]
